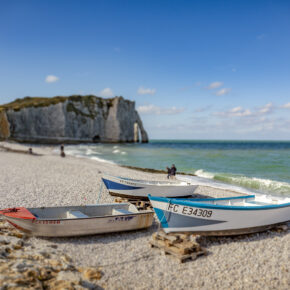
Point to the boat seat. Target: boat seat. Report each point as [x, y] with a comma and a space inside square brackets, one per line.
[120, 211]
[71, 214]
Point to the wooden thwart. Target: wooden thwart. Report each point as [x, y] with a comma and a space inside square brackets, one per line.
[181, 246]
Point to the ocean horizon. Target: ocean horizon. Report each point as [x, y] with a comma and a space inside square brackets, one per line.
[260, 165]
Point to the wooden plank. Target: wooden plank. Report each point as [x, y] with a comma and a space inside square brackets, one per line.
[164, 236]
[177, 254]
[170, 248]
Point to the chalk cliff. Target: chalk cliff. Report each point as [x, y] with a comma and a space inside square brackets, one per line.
[73, 119]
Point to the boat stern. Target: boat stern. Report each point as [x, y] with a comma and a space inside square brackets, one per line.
[17, 212]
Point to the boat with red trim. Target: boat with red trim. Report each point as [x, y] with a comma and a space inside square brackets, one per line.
[66, 221]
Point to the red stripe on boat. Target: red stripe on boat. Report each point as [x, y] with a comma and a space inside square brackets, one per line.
[18, 212]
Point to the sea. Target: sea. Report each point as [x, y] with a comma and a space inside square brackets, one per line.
[259, 166]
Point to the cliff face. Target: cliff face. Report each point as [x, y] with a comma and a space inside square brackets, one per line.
[72, 119]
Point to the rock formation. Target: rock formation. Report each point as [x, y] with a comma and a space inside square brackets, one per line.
[73, 119]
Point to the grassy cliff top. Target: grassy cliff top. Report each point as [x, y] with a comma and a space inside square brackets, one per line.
[26, 102]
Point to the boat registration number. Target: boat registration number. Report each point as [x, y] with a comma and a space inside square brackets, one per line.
[187, 210]
[45, 222]
[127, 182]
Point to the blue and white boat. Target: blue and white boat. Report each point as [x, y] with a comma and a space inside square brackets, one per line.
[132, 188]
[221, 216]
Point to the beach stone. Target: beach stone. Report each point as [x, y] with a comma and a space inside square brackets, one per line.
[4, 241]
[91, 273]
[8, 250]
[66, 258]
[53, 246]
[69, 267]
[45, 254]
[55, 264]
[59, 285]
[69, 276]
[3, 253]
[18, 245]
[17, 234]
[45, 274]
[21, 266]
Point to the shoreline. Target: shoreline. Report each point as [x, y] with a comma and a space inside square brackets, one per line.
[250, 261]
[143, 169]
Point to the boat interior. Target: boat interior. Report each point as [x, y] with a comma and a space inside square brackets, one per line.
[88, 211]
[250, 200]
[159, 182]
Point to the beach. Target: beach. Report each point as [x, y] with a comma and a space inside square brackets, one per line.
[259, 261]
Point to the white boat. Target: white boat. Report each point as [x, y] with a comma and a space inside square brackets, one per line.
[78, 220]
[221, 216]
[132, 188]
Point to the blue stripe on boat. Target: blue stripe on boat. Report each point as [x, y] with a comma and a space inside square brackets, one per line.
[173, 220]
[161, 216]
[215, 206]
[119, 186]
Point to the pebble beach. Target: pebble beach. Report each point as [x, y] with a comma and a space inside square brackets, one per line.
[126, 261]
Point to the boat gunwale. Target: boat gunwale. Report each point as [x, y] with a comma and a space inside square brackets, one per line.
[147, 182]
[82, 218]
[217, 206]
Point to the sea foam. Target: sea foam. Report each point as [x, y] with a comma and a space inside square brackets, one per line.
[253, 183]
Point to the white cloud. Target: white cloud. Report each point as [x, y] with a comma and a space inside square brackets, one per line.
[144, 91]
[241, 112]
[286, 106]
[234, 112]
[155, 110]
[107, 92]
[223, 91]
[268, 108]
[214, 85]
[51, 79]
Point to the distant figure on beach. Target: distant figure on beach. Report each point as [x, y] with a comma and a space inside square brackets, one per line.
[62, 154]
[171, 171]
[168, 172]
[30, 151]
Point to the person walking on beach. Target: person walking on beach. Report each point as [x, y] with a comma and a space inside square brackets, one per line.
[62, 154]
[173, 171]
[168, 172]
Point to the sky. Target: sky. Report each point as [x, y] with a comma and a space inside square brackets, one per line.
[196, 69]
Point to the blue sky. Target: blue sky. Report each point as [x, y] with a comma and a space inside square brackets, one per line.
[196, 69]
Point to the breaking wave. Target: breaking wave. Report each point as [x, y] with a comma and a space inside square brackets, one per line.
[258, 184]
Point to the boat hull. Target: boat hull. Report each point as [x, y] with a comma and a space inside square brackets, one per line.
[204, 219]
[138, 190]
[91, 226]
[64, 227]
